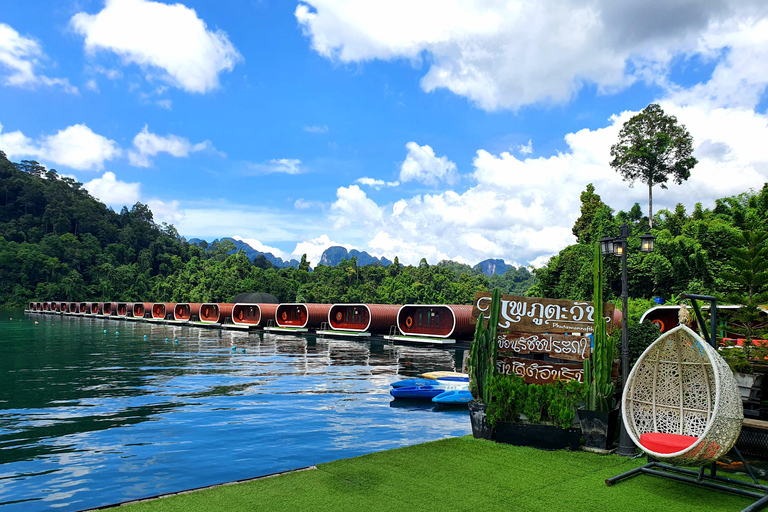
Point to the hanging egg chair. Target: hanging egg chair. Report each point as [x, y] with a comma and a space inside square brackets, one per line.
[681, 404]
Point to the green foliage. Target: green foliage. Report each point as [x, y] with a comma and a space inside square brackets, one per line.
[597, 369]
[652, 148]
[482, 352]
[553, 403]
[639, 337]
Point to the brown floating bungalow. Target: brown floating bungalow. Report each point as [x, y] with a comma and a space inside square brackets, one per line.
[216, 313]
[47, 306]
[72, 307]
[84, 308]
[163, 310]
[666, 317]
[301, 316]
[435, 320]
[113, 306]
[372, 318]
[94, 308]
[56, 306]
[121, 309]
[184, 311]
[253, 314]
[141, 309]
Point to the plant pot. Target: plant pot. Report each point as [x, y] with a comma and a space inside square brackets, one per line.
[599, 428]
[545, 437]
[481, 429]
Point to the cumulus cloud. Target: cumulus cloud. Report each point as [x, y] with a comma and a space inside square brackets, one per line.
[526, 149]
[523, 209]
[168, 41]
[506, 54]
[19, 58]
[314, 248]
[166, 211]
[76, 147]
[257, 245]
[147, 144]
[113, 192]
[423, 166]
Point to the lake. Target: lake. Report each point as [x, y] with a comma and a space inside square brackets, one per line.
[89, 418]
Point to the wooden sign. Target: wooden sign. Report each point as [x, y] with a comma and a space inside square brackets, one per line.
[535, 315]
[539, 372]
[561, 346]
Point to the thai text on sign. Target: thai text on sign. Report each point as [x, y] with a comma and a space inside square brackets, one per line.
[562, 346]
[536, 315]
[539, 372]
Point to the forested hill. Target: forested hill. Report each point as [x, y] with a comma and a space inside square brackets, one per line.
[59, 243]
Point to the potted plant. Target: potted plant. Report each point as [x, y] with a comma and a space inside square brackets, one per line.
[537, 415]
[482, 366]
[599, 416]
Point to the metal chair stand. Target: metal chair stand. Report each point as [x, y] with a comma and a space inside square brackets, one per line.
[712, 480]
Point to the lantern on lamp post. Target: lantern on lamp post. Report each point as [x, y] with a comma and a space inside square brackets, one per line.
[618, 247]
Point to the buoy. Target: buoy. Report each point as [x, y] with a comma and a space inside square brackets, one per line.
[35, 322]
[243, 351]
[145, 336]
[176, 341]
[105, 331]
[116, 333]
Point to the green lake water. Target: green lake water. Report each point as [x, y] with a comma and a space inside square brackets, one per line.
[89, 418]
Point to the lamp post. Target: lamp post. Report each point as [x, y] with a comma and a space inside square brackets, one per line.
[618, 247]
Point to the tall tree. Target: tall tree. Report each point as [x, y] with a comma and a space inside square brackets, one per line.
[652, 148]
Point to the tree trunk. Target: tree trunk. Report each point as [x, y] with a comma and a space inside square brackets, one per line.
[650, 204]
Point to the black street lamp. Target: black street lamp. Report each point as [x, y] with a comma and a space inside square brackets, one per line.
[618, 247]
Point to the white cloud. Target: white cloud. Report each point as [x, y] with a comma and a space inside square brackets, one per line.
[114, 192]
[263, 248]
[377, 184]
[526, 149]
[422, 165]
[316, 129]
[76, 147]
[147, 144]
[506, 54]
[276, 165]
[166, 39]
[314, 248]
[19, 56]
[523, 209]
[92, 85]
[166, 211]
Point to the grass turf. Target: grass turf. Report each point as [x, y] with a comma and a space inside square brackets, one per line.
[459, 474]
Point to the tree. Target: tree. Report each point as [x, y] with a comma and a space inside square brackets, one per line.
[652, 148]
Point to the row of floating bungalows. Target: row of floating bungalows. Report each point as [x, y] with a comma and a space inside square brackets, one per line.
[440, 321]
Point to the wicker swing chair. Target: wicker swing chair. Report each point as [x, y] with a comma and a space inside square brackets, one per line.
[681, 404]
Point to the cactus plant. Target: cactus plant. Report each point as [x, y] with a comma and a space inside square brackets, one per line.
[482, 354]
[597, 371]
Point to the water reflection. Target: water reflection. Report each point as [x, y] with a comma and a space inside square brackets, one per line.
[89, 417]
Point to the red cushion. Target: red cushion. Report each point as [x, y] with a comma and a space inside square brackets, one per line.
[658, 442]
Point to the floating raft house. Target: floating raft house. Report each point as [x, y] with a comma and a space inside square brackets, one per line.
[301, 316]
[215, 313]
[162, 310]
[435, 320]
[253, 313]
[186, 311]
[370, 318]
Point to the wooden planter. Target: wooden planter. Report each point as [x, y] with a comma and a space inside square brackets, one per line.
[481, 429]
[544, 437]
[599, 428]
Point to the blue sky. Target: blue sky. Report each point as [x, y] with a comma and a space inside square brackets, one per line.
[440, 129]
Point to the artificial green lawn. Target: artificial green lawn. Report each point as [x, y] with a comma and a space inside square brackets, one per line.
[453, 475]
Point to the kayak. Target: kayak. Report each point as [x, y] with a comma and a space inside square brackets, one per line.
[453, 397]
[409, 383]
[416, 392]
[440, 375]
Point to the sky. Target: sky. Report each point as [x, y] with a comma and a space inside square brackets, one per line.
[437, 129]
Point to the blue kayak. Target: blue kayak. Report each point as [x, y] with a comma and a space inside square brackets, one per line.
[416, 392]
[453, 397]
[409, 383]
